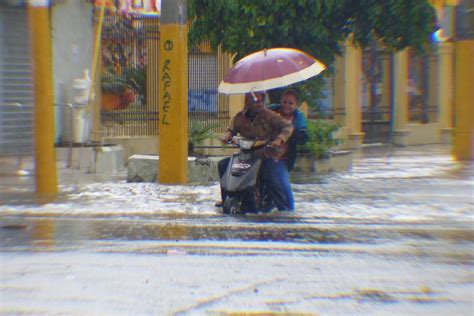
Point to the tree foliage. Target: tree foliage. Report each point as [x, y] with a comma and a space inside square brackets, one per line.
[318, 27]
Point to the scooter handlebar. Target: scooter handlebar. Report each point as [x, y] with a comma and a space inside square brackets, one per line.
[236, 142]
[260, 143]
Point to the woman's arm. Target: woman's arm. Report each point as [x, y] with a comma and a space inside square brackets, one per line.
[301, 125]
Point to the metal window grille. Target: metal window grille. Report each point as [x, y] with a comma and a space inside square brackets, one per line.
[375, 108]
[204, 103]
[126, 110]
[464, 21]
[420, 108]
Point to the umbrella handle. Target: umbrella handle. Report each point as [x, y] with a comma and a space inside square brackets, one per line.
[253, 95]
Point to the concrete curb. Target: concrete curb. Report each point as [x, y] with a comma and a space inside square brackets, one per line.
[144, 168]
[96, 159]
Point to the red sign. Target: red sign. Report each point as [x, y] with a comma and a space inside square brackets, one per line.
[136, 7]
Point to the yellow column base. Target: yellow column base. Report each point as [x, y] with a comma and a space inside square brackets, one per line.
[356, 140]
[446, 135]
[463, 146]
[400, 137]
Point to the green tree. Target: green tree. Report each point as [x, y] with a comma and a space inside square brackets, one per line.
[318, 27]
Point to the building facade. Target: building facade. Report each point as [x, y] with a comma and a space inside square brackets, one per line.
[412, 100]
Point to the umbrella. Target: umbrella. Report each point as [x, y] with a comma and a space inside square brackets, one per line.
[268, 69]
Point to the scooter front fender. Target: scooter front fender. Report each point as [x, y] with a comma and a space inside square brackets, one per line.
[241, 182]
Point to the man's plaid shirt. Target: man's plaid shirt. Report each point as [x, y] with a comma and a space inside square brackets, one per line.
[265, 125]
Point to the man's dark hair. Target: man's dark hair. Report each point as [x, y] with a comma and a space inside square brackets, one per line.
[292, 92]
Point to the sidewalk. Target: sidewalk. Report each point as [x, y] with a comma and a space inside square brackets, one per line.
[18, 189]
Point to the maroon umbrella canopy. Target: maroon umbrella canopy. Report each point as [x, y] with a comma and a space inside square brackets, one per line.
[268, 69]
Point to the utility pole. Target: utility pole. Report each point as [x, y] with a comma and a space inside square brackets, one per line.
[45, 154]
[173, 70]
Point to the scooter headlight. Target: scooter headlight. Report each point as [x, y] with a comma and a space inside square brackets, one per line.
[246, 144]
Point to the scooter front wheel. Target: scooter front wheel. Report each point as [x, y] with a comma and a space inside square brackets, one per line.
[232, 205]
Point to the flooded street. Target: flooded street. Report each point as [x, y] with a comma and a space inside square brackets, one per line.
[394, 236]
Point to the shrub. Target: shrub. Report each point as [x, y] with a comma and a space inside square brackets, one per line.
[197, 133]
[135, 79]
[112, 83]
[320, 139]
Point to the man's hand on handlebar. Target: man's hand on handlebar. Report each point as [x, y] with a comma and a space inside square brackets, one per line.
[276, 143]
[227, 138]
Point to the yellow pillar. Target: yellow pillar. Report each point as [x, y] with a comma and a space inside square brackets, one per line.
[352, 94]
[463, 148]
[224, 62]
[444, 90]
[400, 82]
[347, 97]
[235, 101]
[173, 165]
[236, 104]
[45, 154]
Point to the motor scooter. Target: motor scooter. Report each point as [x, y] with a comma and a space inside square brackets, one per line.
[241, 179]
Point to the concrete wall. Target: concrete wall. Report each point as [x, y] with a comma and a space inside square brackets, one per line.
[73, 40]
[217, 148]
[148, 145]
[423, 134]
[144, 145]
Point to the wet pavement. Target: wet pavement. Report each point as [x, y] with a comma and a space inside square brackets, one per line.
[393, 236]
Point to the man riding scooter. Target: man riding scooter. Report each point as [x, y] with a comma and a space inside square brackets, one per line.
[258, 123]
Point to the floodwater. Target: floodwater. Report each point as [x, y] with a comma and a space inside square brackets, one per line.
[408, 193]
[400, 190]
[410, 209]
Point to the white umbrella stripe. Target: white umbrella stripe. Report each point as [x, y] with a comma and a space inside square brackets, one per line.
[236, 88]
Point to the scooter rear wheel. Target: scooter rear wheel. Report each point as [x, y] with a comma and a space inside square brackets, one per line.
[232, 205]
